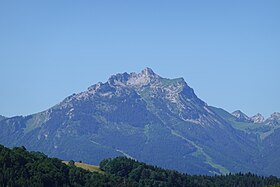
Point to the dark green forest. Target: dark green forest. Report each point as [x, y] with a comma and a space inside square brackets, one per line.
[19, 167]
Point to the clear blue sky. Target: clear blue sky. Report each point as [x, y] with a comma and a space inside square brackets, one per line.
[228, 51]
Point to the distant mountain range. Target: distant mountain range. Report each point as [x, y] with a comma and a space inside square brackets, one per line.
[258, 118]
[152, 119]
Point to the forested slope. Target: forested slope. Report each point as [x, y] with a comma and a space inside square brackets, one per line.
[18, 167]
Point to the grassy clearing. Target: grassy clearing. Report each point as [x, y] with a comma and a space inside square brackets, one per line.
[84, 166]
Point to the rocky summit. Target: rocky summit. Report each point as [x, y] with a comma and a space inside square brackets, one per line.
[149, 118]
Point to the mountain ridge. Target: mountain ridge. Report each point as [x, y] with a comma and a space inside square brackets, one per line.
[240, 116]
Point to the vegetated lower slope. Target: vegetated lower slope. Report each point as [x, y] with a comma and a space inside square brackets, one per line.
[147, 175]
[143, 116]
[21, 168]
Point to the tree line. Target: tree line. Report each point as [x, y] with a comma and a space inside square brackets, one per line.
[21, 168]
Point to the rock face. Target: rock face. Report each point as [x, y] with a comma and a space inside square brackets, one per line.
[139, 115]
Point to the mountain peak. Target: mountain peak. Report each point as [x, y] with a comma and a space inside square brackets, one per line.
[274, 119]
[238, 113]
[138, 81]
[275, 115]
[240, 116]
[258, 118]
